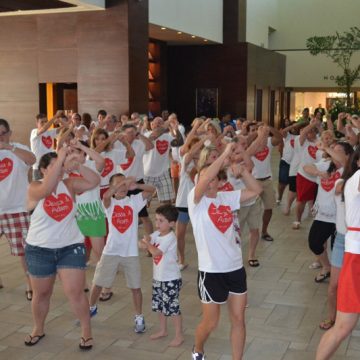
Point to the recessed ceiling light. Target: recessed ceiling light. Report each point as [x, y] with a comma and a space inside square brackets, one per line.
[163, 28]
[193, 36]
[179, 32]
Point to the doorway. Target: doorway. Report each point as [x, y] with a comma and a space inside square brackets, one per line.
[57, 96]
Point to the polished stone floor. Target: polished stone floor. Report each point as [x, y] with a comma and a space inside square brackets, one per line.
[285, 308]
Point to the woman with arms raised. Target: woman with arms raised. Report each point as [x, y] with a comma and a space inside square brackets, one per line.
[54, 244]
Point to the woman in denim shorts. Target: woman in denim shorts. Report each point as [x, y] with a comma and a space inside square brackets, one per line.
[54, 244]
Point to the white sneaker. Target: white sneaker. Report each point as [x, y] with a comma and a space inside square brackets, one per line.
[139, 324]
[198, 356]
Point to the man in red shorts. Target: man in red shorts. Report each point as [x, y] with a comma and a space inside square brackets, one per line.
[15, 162]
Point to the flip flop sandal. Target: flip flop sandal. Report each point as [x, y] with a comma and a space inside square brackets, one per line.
[37, 338]
[267, 237]
[83, 345]
[326, 324]
[29, 295]
[253, 263]
[322, 277]
[106, 296]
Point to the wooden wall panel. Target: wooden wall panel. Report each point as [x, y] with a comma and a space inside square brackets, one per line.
[212, 66]
[57, 65]
[88, 48]
[18, 33]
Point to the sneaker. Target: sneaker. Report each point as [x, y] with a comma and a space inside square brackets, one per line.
[139, 324]
[278, 202]
[198, 356]
[93, 311]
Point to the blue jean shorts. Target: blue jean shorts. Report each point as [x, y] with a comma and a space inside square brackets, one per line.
[183, 215]
[337, 255]
[45, 262]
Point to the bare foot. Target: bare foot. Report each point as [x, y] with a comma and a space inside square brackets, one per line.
[176, 341]
[286, 212]
[158, 335]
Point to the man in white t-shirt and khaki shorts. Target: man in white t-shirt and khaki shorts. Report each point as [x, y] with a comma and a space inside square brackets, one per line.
[157, 161]
[15, 161]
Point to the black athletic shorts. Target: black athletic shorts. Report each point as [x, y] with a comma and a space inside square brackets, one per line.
[216, 287]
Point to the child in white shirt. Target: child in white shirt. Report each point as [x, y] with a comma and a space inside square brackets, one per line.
[121, 246]
[166, 274]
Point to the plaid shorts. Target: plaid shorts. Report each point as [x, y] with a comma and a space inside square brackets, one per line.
[15, 228]
[163, 184]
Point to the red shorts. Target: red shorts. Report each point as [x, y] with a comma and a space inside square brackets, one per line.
[305, 189]
[348, 296]
[15, 228]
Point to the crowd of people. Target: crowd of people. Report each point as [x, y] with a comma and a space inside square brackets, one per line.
[92, 184]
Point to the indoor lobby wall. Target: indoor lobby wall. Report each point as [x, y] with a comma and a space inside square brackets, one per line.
[266, 72]
[88, 48]
[215, 66]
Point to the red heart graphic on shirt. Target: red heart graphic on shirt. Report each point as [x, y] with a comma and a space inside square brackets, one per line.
[262, 155]
[312, 150]
[162, 146]
[221, 216]
[108, 167]
[328, 184]
[6, 166]
[127, 164]
[292, 142]
[122, 218]
[157, 258]
[226, 187]
[58, 207]
[47, 141]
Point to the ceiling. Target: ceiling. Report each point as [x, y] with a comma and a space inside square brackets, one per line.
[26, 7]
[173, 37]
[18, 5]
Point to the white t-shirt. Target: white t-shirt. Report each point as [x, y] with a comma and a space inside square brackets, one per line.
[13, 181]
[238, 184]
[123, 225]
[165, 266]
[185, 184]
[133, 166]
[53, 223]
[90, 195]
[156, 161]
[41, 144]
[310, 154]
[214, 233]
[325, 199]
[340, 211]
[352, 211]
[295, 161]
[262, 162]
[113, 158]
[288, 151]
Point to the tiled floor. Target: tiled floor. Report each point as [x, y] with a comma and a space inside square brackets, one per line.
[285, 307]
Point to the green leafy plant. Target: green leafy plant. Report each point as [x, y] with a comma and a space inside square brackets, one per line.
[339, 48]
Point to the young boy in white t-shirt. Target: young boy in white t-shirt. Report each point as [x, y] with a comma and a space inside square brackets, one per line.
[166, 273]
[121, 246]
